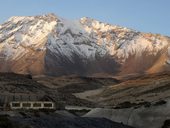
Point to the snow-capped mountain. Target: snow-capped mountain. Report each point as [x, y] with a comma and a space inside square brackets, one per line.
[52, 45]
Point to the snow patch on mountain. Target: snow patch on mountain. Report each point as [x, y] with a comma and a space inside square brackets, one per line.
[69, 38]
[22, 34]
[122, 42]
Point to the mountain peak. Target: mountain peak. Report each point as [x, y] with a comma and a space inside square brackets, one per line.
[85, 19]
[51, 16]
[47, 17]
[15, 19]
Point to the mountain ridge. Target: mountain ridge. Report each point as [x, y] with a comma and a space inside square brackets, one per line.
[51, 45]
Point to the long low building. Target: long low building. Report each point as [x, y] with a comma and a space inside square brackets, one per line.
[35, 105]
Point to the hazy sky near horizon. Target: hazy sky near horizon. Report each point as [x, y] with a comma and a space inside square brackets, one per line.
[143, 15]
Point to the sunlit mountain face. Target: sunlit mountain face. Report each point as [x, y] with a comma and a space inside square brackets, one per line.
[50, 45]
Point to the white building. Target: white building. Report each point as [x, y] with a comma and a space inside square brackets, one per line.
[34, 105]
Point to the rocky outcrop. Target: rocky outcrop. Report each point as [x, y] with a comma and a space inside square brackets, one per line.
[144, 117]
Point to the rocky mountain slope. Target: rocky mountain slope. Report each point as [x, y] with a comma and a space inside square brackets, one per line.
[52, 45]
[145, 90]
[141, 102]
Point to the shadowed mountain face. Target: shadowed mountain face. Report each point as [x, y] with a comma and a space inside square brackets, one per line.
[61, 65]
[51, 45]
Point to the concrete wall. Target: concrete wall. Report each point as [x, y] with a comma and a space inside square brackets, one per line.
[79, 108]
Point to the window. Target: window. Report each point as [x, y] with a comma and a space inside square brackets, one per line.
[48, 105]
[16, 105]
[37, 105]
[26, 105]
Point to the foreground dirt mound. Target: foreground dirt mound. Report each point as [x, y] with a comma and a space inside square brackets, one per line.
[58, 121]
